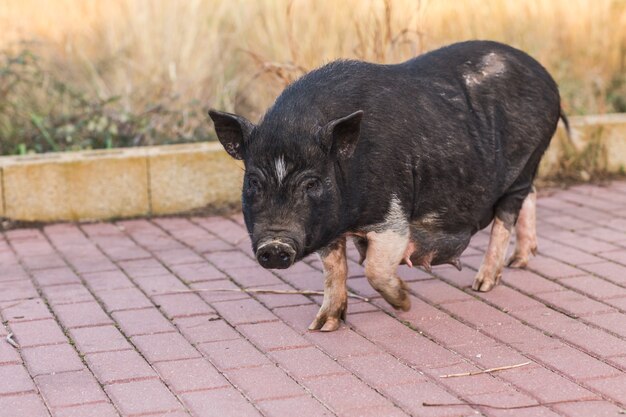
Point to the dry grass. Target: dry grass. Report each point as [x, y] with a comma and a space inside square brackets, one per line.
[237, 55]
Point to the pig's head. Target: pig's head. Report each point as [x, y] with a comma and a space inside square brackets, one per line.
[291, 195]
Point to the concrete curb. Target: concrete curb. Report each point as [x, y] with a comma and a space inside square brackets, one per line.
[160, 180]
[118, 183]
[598, 142]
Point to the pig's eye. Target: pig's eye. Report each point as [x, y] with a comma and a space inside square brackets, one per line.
[312, 186]
[253, 184]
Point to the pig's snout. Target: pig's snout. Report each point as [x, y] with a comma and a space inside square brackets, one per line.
[275, 255]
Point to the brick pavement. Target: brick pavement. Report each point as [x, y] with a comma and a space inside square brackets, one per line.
[105, 330]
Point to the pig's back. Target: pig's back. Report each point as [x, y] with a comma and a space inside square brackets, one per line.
[452, 129]
[485, 110]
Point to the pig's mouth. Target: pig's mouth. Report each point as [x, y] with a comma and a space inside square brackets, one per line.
[276, 253]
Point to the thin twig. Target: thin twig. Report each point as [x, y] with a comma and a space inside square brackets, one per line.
[11, 305]
[486, 371]
[267, 291]
[11, 341]
[514, 407]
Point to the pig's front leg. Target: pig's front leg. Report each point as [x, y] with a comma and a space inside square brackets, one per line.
[385, 250]
[335, 302]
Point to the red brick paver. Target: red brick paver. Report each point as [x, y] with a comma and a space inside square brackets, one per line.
[108, 325]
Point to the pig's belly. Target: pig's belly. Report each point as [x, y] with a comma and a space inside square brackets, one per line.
[434, 247]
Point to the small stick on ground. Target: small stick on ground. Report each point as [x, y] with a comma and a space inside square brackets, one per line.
[11, 341]
[514, 407]
[267, 291]
[486, 371]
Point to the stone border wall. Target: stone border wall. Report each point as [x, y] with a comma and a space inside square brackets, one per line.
[118, 183]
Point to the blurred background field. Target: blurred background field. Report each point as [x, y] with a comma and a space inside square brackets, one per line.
[78, 74]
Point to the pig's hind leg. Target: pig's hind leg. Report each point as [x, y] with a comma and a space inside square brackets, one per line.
[525, 232]
[335, 304]
[490, 270]
[385, 250]
[507, 211]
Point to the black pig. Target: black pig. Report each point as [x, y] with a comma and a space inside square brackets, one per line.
[410, 160]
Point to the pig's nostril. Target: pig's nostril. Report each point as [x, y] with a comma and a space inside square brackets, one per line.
[284, 256]
[264, 257]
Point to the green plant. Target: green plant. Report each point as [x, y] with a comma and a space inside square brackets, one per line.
[39, 112]
[584, 164]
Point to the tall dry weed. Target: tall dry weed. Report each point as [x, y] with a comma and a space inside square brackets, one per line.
[180, 57]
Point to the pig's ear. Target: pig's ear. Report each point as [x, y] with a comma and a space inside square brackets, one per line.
[233, 131]
[340, 136]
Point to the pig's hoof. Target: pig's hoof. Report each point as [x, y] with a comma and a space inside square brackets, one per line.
[332, 324]
[405, 306]
[520, 257]
[399, 301]
[327, 322]
[484, 283]
[517, 261]
[403, 302]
